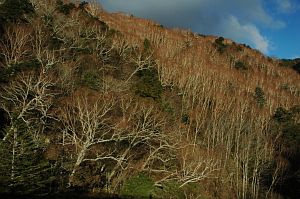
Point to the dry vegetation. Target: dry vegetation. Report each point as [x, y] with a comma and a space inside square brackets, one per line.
[113, 96]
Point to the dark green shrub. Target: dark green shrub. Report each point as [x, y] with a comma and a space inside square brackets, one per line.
[64, 8]
[147, 44]
[296, 67]
[185, 118]
[83, 4]
[220, 45]
[282, 115]
[291, 134]
[246, 46]
[91, 79]
[239, 65]
[219, 41]
[288, 123]
[148, 84]
[167, 106]
[14, 10]
[260, 96]
[7, 73]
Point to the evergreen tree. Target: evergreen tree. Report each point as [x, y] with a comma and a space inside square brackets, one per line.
[23, 170]
[260, 97]
[14, 10]
[285, 138]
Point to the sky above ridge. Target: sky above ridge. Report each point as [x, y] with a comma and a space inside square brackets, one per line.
[271, 26]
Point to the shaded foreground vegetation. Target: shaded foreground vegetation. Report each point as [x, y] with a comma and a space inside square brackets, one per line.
[110, 104]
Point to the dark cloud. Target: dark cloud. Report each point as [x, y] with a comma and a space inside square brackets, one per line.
[236, 19]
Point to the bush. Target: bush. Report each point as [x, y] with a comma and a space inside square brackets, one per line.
[260, 96]
[282, 115]
[167, 106]
[239, 65]
[7, 73]
[64, 8]
[291, 134]
[185, 118]
[219, 41]
[296, 67]
[91, 79]
[83, 4]
[220, 45]
[14, 10]
[246, 46]
[147, 44]
[289, 125]
[148, 84]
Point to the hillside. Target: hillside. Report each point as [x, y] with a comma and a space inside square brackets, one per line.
[107, 103]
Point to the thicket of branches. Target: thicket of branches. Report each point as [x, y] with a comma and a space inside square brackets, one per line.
[105, 109]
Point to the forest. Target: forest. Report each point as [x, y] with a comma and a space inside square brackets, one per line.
[109, 104]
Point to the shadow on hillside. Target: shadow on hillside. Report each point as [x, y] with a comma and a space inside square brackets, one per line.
[4, 121]
[72, 195]
[296, 67]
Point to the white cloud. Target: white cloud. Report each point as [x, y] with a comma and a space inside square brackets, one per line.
[245, 10]
[208, 16]
[246, 33]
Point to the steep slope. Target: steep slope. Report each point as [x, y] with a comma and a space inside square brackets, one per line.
[121, 105]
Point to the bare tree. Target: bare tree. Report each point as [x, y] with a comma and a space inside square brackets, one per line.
[86, 125]
[14, 46]
[102, 48]
[94, 8]
[26, 94]
[144, 130]
[196, 170]
[142, 62]
[194, 166]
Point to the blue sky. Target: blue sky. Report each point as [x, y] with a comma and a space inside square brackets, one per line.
[271, 26]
